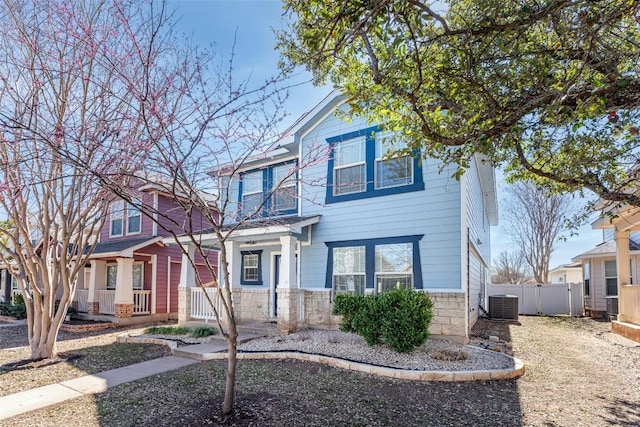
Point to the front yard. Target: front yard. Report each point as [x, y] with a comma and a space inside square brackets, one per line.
[578, 373]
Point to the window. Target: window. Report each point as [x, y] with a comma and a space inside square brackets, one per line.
[611, 277]
[349, 269]
[134, 219]
[112, 276]
[586, 273]
[251, 268]
[117, 214]
[394, 266]
[252, 184]
[359, 167]
[278, 182]
[391, 171]
[138, 276]
[376, 264]
[349, 166]
[284, 183]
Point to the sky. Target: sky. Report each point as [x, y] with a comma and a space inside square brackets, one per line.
[250, 22]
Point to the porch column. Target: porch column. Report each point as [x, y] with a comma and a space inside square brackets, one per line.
[97, 282]
[187, 281]
[622, 268]
[287, 290]
[123, 301]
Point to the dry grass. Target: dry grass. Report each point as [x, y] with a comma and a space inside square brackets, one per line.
[578, 374]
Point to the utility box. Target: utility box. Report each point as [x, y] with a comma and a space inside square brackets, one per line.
[612, 306]
[503, 307]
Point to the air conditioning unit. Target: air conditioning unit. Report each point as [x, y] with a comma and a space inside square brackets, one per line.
[503, 307]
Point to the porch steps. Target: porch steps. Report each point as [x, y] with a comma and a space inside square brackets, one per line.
[626, 329]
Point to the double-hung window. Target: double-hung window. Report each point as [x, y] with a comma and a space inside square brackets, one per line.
[269, 191]
[611, 278]
[375, 264]
[252, 190]
[251, 268]
[362, 165]
[586, 273]
[117, 219]
[350, 167]
[284, 187]
[394, 266]
[349, 269]
[134, 219]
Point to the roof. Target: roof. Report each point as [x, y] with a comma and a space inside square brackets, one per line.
[576, 264]
[605, 249]
[122, 245]
[264, 222]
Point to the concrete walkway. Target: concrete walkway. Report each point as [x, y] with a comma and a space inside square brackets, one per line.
[42, 397]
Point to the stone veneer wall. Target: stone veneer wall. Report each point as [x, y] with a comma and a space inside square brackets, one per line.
[254, 305]
[317, 310]
[449, 315]
[123, 310]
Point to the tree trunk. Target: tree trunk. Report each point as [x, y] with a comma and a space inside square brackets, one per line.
[43, 332]
[230, 386]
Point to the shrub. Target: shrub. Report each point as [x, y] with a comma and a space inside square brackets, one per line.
[399, 318]
[202, 331]
[404, 316]
[347, 305]
[19, 308]
[166, 330]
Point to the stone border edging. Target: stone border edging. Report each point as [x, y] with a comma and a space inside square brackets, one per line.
[86, 327]
[399, 373]
[11, 319]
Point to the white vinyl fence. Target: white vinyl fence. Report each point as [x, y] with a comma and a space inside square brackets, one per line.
[557, 298]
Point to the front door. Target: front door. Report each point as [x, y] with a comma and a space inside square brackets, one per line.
[275, 281]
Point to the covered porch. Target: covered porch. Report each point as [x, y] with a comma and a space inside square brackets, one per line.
[119, 281]
[623, 222]
[264, 258]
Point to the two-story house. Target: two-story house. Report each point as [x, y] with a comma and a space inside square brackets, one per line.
[131, 272]
[357, 221]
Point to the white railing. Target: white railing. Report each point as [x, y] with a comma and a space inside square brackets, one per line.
[105, 299]
[141, 302]
[82, 296]
[200, 307]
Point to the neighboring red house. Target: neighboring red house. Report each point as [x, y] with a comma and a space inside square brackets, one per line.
[131, 272]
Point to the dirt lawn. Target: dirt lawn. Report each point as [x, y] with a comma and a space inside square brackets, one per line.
[578, 374]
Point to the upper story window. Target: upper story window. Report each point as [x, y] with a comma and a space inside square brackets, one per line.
[360, 167]
[134, 219]
[276, 183]
[117, 219]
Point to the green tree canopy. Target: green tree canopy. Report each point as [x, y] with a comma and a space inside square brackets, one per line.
[547, 89]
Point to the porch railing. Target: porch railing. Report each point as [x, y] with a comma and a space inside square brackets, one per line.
[106, 299]
[82, 296]
[141, 302]
[200, 307]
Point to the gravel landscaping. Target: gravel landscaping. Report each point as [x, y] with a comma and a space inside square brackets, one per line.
[577, 374]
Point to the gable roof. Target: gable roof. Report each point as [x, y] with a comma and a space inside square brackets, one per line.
[605, 249]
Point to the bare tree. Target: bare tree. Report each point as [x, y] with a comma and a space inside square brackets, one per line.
[65, 75]
[537, 219]
[512, 268]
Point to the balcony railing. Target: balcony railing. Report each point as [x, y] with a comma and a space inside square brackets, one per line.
[141, 302]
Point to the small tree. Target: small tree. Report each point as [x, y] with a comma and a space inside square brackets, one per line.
[512, 268]
[65, 80]
[537, 218]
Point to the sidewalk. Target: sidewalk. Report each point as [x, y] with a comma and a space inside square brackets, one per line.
[41, 397]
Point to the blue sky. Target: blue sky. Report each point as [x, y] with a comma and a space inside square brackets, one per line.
[216, 21]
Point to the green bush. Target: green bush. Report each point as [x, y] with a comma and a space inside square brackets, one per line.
[18, 309]
[347, 305]
[166, 330]
[404, 316]
[202, 331]
[399, 318]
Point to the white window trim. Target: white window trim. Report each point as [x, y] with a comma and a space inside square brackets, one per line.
[363, 274]
[245, 267]
[376, 183]
[377, 273]
[139, 214]
[363, 140]
[252, 193]
[112, 218]
[288, 182]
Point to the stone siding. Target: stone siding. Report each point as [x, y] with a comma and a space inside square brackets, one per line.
[93, 307]
[449, 316]
[317, 310]
[253, 304]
